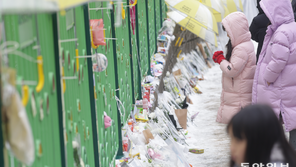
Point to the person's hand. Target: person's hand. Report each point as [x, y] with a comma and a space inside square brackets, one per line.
[217, 54]
[218, 57]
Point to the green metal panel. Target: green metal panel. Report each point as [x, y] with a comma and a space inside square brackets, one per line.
[142, 37]
[135, 59]
[105, 89]
[76, 99]
[157, 18]
[151, 26]
[22, 29]
[91, 85]
[124, 66]
[163, 10]
[1, 132]
[59, 86]
[120, 149]
[128, 58]
[131, 54]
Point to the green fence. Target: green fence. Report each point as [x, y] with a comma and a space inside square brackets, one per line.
[142, 37]
[106, 88]
[134, 51]
[124, 65]
[163, 9]
[158, 21]
[34, 34]
[151, 27]
[76, 96]
[70, 106]
[1, 131]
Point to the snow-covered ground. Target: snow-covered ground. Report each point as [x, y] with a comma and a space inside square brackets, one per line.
[209, 135]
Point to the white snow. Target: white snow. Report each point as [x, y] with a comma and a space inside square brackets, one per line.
[209, 135]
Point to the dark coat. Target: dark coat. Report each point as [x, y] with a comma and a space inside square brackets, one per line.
[259, 26]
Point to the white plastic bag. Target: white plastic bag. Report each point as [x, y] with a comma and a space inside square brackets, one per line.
[19, 133]
[178, 152]
[134, 163]
[100, 62]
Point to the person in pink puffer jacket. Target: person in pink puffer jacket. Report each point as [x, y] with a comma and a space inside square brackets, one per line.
[275, 77]
[238, 67]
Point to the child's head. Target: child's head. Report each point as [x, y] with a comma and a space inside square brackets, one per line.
[254, 131]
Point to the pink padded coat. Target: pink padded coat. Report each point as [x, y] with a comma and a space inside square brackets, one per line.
[238, 74]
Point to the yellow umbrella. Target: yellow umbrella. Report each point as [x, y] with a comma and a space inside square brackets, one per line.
[233, 5]
[195, 17]
[195, 10]
[239, 5]
[216, 7]
[226, 11]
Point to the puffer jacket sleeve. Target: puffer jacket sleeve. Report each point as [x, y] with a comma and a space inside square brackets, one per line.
[239, 59]
[280, 55]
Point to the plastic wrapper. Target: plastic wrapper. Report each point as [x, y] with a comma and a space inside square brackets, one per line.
[160, 152]
[142, 115]
[78, 162]
[98, 31]
[100, 62]
[17, 127]
[125, 144]
[136, 138]
[180, 156]
[135, 163]
[172, 86]
[166, 128]
[167, 27]
[120, 13]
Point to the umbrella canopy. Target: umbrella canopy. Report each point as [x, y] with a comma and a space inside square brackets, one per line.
[27, 6]
[239, 5]
[195, 17]
[216, 7]
[37, 6]
[233, 5]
